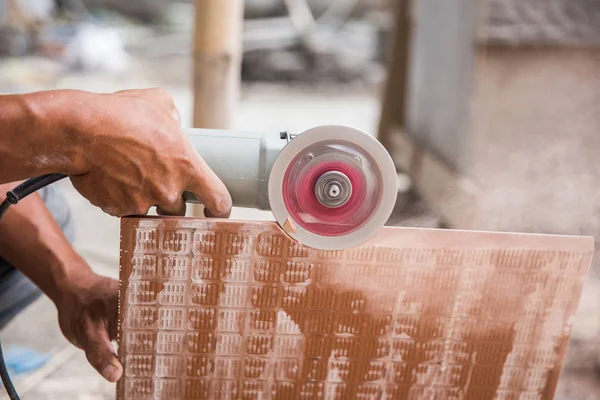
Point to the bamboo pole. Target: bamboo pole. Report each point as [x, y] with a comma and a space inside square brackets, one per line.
[393, 110]
[217, 64]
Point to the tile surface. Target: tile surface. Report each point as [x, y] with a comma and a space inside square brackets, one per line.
[228, 309]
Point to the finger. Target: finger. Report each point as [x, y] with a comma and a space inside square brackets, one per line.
[211, 191]
[100, 353]
[113, 307]
[177, 208]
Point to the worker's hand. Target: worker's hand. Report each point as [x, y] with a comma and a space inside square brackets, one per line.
[135, 155]
[87, 314]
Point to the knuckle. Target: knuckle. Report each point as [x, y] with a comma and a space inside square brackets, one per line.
[163, 94]
[165, 194]
[169, 196]
[186, 163]
[139, 208]
[186, 160]
[171, 137]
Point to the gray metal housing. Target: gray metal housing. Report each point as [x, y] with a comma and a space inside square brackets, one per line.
[242, 160]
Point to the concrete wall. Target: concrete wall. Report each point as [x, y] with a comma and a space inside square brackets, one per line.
[534, 139]
[507, 93]
[440, 75]
[540, 22]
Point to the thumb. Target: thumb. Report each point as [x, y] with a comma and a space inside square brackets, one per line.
[100, 354]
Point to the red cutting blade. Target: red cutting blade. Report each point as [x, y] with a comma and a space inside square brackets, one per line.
[298, 188]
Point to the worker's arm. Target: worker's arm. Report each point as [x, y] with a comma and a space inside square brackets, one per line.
[125, 152]
[31, 241]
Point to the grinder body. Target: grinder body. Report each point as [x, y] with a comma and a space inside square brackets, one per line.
[330, 187]
[242, 160]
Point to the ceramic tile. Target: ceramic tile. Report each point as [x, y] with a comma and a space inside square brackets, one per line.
[228, 309]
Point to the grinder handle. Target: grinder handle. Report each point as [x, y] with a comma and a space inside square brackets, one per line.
[242, 160]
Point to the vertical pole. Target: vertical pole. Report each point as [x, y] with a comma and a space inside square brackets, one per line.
[217, 57]
[393, 110]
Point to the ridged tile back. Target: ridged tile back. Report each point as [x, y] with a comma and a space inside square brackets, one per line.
[236, 310]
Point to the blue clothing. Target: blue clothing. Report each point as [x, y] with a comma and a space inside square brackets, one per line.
[16, 290]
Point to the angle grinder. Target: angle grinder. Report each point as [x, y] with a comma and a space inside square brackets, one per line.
[329, 188]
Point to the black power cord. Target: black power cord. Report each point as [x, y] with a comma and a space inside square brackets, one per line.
[13, 197]
[10, 389]
[26, 188]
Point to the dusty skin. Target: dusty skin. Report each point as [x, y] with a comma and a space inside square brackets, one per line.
[224, 309]
[125, 152]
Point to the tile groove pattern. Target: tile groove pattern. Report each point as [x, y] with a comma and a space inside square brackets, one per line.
[236, 310]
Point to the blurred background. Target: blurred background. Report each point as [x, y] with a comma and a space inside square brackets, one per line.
[489, 108]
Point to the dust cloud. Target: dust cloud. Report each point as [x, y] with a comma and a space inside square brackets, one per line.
[552, 188]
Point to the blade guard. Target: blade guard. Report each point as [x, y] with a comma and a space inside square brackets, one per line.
[363, 162]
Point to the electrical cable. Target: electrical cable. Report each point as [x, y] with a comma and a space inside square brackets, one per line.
[26, 188]
[13, 197]
[10, 389]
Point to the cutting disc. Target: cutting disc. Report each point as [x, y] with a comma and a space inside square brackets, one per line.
[332, 187]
